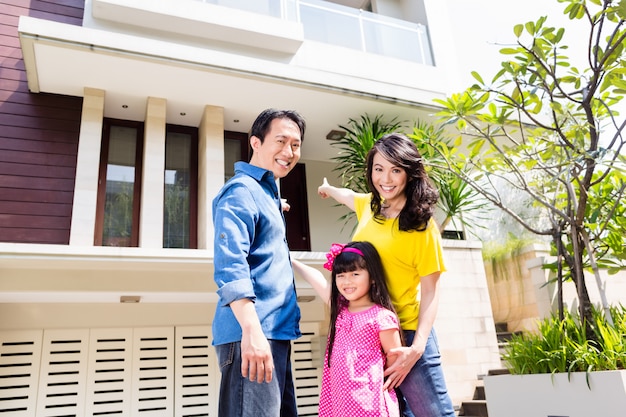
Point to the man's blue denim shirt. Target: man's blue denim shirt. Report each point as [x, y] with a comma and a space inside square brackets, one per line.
[251, 256]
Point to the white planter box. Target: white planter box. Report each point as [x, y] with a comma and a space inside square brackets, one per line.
[544, 395]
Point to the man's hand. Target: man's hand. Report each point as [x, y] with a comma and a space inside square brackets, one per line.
[257, 362]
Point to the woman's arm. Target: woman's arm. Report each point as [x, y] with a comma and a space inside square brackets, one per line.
[406, 357]
[315, 278]
[343, 196]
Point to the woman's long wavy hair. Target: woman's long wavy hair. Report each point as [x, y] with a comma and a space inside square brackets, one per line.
[349, 262]
[421, 194]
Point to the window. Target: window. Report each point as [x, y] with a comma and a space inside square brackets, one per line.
[117, 215]
[236, 148]
[120, 181]
[180, 187]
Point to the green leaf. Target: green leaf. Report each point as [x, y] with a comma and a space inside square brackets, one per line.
[620, 9]
[477, 77]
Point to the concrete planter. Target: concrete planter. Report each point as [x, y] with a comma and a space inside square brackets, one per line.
[545, 395]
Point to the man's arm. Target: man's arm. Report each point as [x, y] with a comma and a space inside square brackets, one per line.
[257, 362]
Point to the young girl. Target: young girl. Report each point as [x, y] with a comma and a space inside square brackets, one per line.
[363, 327]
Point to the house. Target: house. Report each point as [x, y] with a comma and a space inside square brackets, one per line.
[120, 120]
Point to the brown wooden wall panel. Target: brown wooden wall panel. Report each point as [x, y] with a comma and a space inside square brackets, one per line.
[38, 136]
[35, 209]
[39, 153]
[30, 170]
[35, 222]
[38, 196]
[28, 183]
[35, 235]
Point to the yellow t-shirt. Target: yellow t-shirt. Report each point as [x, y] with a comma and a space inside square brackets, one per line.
[406, 257]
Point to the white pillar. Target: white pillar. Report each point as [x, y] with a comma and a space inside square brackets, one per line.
[151, 212]
[82, 229]
[210, 170]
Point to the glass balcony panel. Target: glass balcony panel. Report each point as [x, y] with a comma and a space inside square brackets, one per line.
[340, 25]
[328, 26]
[265, 7]
[398, 41]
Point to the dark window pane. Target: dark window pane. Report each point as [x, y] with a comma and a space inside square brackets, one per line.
[176, 205]
[120, 186]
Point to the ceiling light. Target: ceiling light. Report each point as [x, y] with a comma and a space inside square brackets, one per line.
[130, 299]
[335, 135]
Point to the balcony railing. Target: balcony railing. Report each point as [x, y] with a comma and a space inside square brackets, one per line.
[335, 24]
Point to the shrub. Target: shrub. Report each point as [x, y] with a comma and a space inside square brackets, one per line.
[562, 346]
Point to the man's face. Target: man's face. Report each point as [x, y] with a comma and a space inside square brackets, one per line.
[280, 151]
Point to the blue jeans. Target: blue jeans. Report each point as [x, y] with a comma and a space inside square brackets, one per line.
[424, 388]
[244, 398]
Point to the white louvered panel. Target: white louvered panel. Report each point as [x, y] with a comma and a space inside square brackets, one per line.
[20, 353]
[109, 372]
[197, 376]
[62, 380]
[153, 372]
[306, 364]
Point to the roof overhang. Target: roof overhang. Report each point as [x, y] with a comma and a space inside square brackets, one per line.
[65, 59]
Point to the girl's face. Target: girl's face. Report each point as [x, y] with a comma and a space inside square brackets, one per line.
[355, 287]
[388, 179]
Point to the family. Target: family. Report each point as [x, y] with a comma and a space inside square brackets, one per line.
[382, 356]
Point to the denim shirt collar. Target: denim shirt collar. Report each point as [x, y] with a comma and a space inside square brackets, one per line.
[255, 172]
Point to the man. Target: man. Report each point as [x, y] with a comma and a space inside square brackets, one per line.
[257, 314]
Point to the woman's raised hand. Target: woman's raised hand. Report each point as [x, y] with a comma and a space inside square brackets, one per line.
[324, 189]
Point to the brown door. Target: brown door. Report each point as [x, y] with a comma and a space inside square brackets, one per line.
[293, 188]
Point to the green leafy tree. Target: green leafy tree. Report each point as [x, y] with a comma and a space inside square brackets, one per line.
[552, 131]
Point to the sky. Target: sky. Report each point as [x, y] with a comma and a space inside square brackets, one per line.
[486, 26]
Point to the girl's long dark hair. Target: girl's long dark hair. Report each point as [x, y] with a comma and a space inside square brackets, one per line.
[348, 262]
[421, 194]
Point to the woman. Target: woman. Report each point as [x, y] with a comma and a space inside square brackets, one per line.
[397, 218]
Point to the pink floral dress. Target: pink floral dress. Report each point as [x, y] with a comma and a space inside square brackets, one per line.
[353, 385]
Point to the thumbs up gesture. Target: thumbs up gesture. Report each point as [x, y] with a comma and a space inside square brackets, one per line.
[324, 189]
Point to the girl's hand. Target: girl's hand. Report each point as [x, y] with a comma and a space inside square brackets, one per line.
[403, 358]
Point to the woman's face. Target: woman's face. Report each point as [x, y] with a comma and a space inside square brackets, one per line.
[388, 179]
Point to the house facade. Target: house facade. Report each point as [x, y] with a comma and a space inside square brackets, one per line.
[119, 122]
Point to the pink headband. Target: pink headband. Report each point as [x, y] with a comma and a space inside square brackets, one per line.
[335, 250]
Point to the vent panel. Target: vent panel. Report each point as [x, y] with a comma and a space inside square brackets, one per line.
[63, 375]
[20, 354]
[153, 371]
[306, 361]
[196, 372]
[109, 382]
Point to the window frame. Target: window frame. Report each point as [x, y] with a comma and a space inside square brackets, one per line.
[193, 181]
[102, 174]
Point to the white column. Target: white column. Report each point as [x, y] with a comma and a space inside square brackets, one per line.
[151, 212]
[210, 170]
[87, 165]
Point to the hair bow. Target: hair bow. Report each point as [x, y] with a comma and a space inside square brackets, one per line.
[335, 249]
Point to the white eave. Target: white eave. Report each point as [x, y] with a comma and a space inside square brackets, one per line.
[204, 21]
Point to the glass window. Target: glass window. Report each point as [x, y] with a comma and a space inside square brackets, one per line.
[118, 193]
[179, 203]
